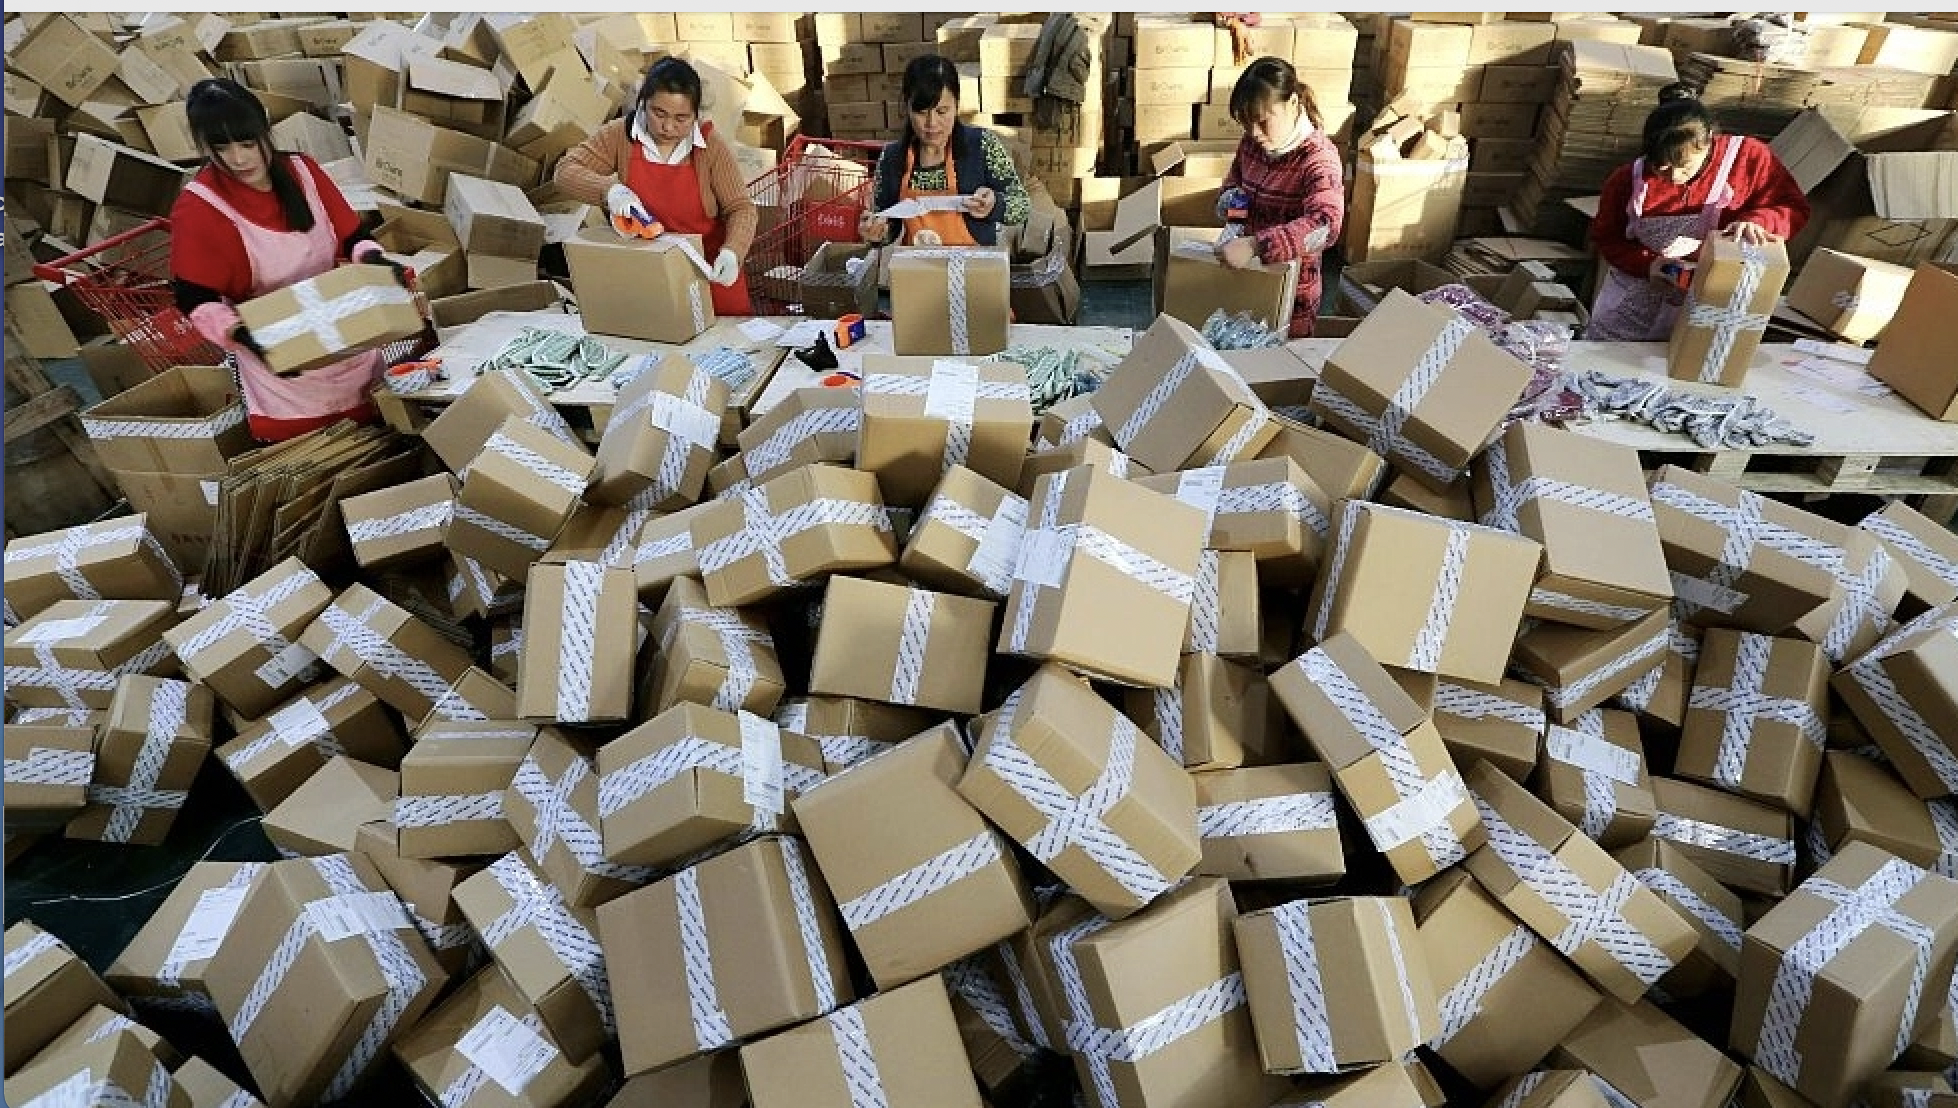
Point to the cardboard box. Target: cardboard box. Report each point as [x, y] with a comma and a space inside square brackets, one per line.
[721, 657]
[273, 756]
[640, 289]
[390, 653]
[1827, 1029]
[1501, 722]
[1405, 208]
[1766, 588]
[908, 1037]
[457, 435]
[424, 242]
[401, 524]
[1581, 669]
[1904, 691]
[1266, 506]
[72, 654]
[849, 731]
[1593, 774]
[1637, 1047]
[1866, 199]
[1268, 823]
[324, 814]
[765, 967]
[665, 552]
[1859, 800]
[1356, 956]
[929, 283]
[49, 989]
[1006, 48]
[967, 538]
[225, 646]
[1174, 44]
[163, 965]
[452, 785]
[841, 526]
[454, 95]
[326, 319]
[1715, 912]
[829, 288]
[932, 646]
[1446, 422]
[207, 1088]
[810, 425]
[1385, 755]
[970, 893]
[100, 1023]
[1926, 552]
[1742, 843]
[1905, 359]
[118, 559]
[1216, 716]
[65, 58]
[500, 230]
[1853, 298]
[1174, 402]
[924, 416]
[294, 1020]
[50, 760]
[517, 495]
[102, 1068]
[1900, 46]
[1194, 284]
[1345, 469]
[1734, 289]
[413, 158]
[186, 420]
[1755, 718]
[147, 754]
[579, 641]
[486, 1035]
[547, 950]
[553, 804]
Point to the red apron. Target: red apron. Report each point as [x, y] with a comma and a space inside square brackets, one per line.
[934, 228]
[673, 194]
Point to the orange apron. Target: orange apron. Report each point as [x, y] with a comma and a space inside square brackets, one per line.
[672, 192]
[934, 228]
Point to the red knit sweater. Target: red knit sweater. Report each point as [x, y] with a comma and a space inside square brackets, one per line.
[1764, 193]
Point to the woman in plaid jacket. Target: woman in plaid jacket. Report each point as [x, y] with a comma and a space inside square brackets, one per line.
[1285, 184]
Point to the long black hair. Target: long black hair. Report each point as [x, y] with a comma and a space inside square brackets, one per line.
[928, 78]
[1679, 127]
[670, 74]
[1267, 81]
[222, 111]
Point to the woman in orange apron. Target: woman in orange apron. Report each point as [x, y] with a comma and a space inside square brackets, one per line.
[938, 157]
[659, 165]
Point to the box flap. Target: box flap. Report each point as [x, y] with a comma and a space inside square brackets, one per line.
[1811, 148]
[1137, 215]
[1916, 185]
[453, 79]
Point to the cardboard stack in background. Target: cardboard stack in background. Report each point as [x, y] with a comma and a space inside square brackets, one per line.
[863, 56]
[1071, 148]
[1582, 137]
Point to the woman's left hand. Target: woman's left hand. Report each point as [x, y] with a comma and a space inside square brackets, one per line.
[1239, 253]
[1750, 233]
[980, 204]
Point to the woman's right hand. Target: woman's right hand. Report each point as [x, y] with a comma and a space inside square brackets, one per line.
[1664, 271]
[872, 229]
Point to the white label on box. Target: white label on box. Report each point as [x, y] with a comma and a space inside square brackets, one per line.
[1827, 401]
[509, 1053]
[761, 764]
[1575, 748]
[688, 422]
[1043, 559]
[81, 1090]
[207, 926]
[1200, 489]
[60, 630]
[1416, 815]
[287, 666]
[210, 492]
[340, 917]
[950, 393]
[299, 722]
[993, 560]
[1705, 594]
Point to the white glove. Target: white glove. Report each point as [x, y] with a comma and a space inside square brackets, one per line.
[727, 268]
[622, 201]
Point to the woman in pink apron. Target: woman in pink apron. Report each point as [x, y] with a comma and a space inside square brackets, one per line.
[251, 222]
[1690, 182]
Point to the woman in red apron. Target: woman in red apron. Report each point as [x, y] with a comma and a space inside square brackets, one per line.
[251, 222]
[659, 165]
[1653, 215]
[937, 156]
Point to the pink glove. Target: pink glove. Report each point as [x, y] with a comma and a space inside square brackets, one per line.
[221, 325]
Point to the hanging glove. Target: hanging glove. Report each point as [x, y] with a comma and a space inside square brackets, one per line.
[220, 325]
[629, 217]
[369, 252]
[727, 268]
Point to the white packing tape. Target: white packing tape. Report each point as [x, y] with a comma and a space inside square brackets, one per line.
[1206, 606]
[1669, 886]
[1541, 597]
[46, 765]
[1463, 1000]
[1167, 706]
[559, 821]
[444, 809]
[1312, 1025]
[1563, 699]
[859, 1061]
[320, 316]
[1432, 640]
[1862, 606]
[428, 517]
[913, 643]
[18, 958]
[128, 803]
[774, 451]
[1349, 520]
[1869, 675]
[1745, 704]
[1912, 548]
[1747, 530]
[942, 870]
[968, 981]
[535, 463]
[1733, 319]
[209, 427]
[539, 906]
[1270, 815]
[1455, 700]
[1711, 836]
[578, 646]
[711, 1026]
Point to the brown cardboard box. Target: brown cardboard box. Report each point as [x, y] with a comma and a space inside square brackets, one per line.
[453, 94]
[62, 56]
[163, 965]
[100, 1023]
[721, 657]
[1593, 774]
[1170, 43]
[1356, 956]
[967, 537]
[726, 936]
[1448, 421]
[400, 525]
[486, 1036]
[426, 243]
[147, 754]
[1385, 755]
[1194, 283]
[1543, 870]
[1082, 452]
[1865, 200]
[1585, 500]
[325, 813]
[1754, 720]
[1904, 691]
[1493, 1023]
[1058, 576]
[1552, 1089]
[222, 645]
[1743, 843]
[1054, 742]
[500, 230]
[553, 804]
[49, 989]
[546, 948]
[1853, 298]
[1734, 289]
[1461, 626]
[1405, 208]
[458, 434]
[1502, 723]
[1926, 552]
[1859, 800]
[1269, 823]
[1767, 588]
[579, 642]
[1519, 84]
[426, 887]
[316, 1024]
[639, 289]
[1828, 1030]
[1405, 1082]
[72, 654]
[598, 534]
[1660, 695]
[1217, 715]
[452, 785]
[1266, 506]
[1581, 669]
[475, 696]
[1226, 618]
[1648, 1058]
[828, 288]
[413, 158]
[1907, 358]
[207, 1088]
[390, 653]
[849, 731]
[1174, 402]
[117, 559]
[1345, 469]
[665, 552]
[1715, 912]
[747, 552]
[919, 902]
[810, 425]
[735, 774]
[327, 318]
[932, 645]
[273, 756]
[928, 283]
[1281, 376]
[50, 760]
[91, 1073]
[517, 495]
[565, 112]
[186, 420]
[922, 416]
[904, 1043]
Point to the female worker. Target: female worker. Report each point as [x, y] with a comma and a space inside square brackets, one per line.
[659, 164]
[252, 221]
[937, 156]
[1285, 180]
[1690, 182]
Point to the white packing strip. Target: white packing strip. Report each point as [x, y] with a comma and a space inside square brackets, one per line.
[1398, 953]
[1511, 496]
[208, 428]
[441, 810]
[1425, 804]
[1274, 496]
[301, 721]
[1862, 605]
[1268, 815]
[1668, 885]
[1525, 1086]
[109, 1028]
[738, 639]
[1237, 448]
[1846, 300]
[1912, 548]
[1746, 703]
[1167, 705]
[559, 821]
[858, 1059]
[1731, 320]
[620, 545]
[46, 765]
[1312, 1025]
[957, 303]
[942, 870]
[1580, 606]
[1726, 840]
[533, 462]
[913, 644]
[320, 317]
[1079, 427]
[207, 925]
[539, 906]
[388, 661]
[577, 654]
[968, 980]
[1868, 674]
[1206, 606]
[1433, 637]
[774, 451]
[1747, 529]
[1463, 1000]
[251, 612]
[1157, 397]
[1852, 911]
[428, 517]
[654, 550]
[1455, 700]
[128, 803]
[66, 552]
[1383, 433]
[1591, 916]
[418, 379]
[18, 958]
[779, 779]
[765, 531]
[844, 751]
[1023, 995]
[55, 717]
[1564, 698]
[1944, 820]
[1349, 520]
[814, 953]
[711, 1027]
[506, 531]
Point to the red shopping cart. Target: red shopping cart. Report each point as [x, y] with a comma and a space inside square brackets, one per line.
[815, 195]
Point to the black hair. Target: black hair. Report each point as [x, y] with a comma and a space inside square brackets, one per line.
[1267, 81]
[1679, 127]
[926, 79]
[670, 74]
[221, 111]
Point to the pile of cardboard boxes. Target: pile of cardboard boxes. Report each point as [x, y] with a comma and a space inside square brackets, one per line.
[862, 61]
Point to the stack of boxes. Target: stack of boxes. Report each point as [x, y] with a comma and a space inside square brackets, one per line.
[863, 58]
[1585, 135]
[1070, 147]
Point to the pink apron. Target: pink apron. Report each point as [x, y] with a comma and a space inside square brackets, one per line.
[1631, 308]
[278, 259]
